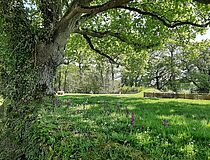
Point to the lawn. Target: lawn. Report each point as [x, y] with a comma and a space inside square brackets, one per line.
[118, 127]
[126, 127]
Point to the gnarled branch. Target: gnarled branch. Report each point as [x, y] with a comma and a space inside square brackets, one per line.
[116, 35]
[88, 39]
[203, 1]
[81, 7]
[100, 8]
[166, 22]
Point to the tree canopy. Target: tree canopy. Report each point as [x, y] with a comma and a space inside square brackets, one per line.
[37, 33]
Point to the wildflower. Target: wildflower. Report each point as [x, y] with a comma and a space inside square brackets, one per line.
[57, 102]
[126, 111]
[165, 123]
[132, 120]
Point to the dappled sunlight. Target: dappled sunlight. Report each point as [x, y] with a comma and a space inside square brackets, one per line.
[172, 111]
[189, 150]
[180, 137]
[143, 137]
[1, 100]
[104, 122]
[174, 119]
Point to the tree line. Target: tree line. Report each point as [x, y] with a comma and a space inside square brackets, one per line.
[174, 67]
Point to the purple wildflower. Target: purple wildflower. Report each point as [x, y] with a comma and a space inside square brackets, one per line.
[165, 123]
[132, 120]
[57, 102]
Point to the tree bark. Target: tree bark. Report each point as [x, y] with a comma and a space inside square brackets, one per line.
[113, 75]
[65, 80]
[59, 80]
[50, 55]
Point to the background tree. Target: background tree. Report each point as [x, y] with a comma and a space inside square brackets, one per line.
[163, 69]
[196, 65]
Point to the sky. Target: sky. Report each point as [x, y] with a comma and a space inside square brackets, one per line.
[205, 36]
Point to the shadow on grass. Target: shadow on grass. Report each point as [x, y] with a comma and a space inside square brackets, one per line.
[109, 129]
[189, 108]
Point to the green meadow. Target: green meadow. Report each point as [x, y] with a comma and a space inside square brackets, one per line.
[102, 127]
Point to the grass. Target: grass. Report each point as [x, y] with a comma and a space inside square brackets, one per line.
[98, 127]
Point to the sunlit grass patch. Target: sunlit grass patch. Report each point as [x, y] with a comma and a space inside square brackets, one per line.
[1, 100]
[123, 127]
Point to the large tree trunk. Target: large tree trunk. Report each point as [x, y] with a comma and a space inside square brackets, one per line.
[50, 55]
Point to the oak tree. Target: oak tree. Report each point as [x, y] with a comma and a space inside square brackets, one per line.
[37, 32]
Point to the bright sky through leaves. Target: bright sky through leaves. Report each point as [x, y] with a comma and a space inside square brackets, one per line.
[204, 36]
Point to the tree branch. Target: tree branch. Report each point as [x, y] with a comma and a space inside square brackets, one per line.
[100, 8]
[166, 22]
[82, 6]
[88, 39]
[93, 10]
[203, 1]
[116, 35]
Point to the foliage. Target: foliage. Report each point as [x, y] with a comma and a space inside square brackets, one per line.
[17, 128]
[122, 32]
[196, 65]
[129, 90]
[16, 68]
[33, 36]
[163, 69]
[179, 66]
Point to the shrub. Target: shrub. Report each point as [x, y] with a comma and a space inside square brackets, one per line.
[130, 90]
[124, 89]
[141, 89]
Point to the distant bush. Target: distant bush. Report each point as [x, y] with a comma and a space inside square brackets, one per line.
[130, 90]
[126, 90]
[152, 90]
[141, 89]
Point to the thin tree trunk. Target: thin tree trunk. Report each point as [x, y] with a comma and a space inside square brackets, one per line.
[65, 80]
[59, 80]
[112, 72]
